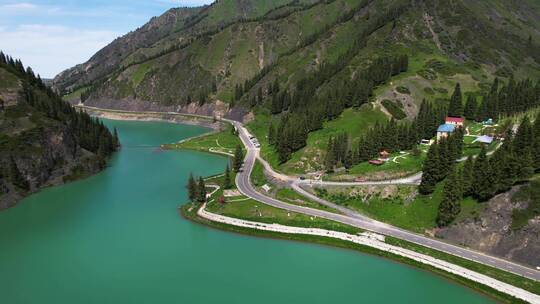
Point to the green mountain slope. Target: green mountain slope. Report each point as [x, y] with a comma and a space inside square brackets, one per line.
[191, 54]
[301, 63]
[43, 140]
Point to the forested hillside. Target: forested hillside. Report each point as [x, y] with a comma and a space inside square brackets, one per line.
[297, 64]
[43, 139]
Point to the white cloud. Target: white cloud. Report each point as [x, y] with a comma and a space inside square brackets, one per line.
[49, 49]
[18, 7]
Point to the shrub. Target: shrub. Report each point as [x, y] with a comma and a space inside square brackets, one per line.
[441, 90]
[394, 109]
[429, 91]
[427, 74]
[403, 90]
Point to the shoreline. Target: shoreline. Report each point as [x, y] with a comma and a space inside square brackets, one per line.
[176, 118]
[191, 215]
[205, 121]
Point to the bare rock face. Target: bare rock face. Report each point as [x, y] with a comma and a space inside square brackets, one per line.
[216, 108]
[52, 157]
[491, 231]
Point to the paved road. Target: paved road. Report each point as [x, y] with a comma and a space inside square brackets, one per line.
[357, 220]
[354, 219]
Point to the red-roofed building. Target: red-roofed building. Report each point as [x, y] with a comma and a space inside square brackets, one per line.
[456, 121]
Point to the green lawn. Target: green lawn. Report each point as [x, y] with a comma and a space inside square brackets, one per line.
[258, 179]
[75, 94]
[400, 207]
[255, 211]
[292, 197]
[405, 164]
[224, 142]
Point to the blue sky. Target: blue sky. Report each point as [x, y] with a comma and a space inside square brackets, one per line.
[51, 36]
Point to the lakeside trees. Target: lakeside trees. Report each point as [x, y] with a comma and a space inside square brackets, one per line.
[196, 189]
[201, 191]
[192, 188]
[227, 178]
[238, 159]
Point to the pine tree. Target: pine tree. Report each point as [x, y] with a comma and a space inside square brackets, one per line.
[238, 160]
[470, 108]
[348, 161]
[201, 191]
[482, 177]
[271, 134]
[536, 141]
[456, 104]
[468, 170]
[227, 178]
[430, 171]
[450, 205]
[192, 188]
[445, 158]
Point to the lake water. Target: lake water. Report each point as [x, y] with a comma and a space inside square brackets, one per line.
[117, 237]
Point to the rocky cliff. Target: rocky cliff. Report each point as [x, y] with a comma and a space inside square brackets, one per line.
[43, 140]
[495, 230]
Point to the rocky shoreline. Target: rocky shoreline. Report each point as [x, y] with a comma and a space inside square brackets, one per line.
[171, 117]
[193, 213]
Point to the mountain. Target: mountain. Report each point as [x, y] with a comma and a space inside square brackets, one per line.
[43, 140]
[202, 54]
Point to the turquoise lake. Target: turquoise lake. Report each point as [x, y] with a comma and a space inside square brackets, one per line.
[117, 237]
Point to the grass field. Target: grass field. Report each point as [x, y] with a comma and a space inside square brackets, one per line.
[258, 179]
[292, 197]
[255, 211]
[219, 142]
[404, 164]
[397, 205]
[75, 94]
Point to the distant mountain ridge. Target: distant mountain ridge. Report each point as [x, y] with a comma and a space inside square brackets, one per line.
[202, 54]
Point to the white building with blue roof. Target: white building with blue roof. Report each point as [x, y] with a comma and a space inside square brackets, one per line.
[445, 130]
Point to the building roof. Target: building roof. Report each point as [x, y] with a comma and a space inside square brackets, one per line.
[484, 139]
[446, 128]
[454, 119]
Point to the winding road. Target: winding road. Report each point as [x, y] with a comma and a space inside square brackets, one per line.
[348, 216]
[355, 219]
